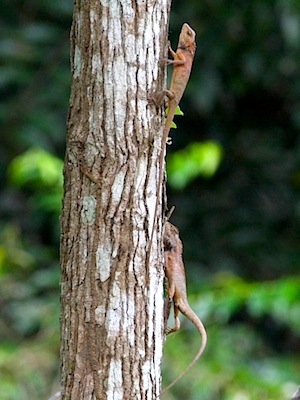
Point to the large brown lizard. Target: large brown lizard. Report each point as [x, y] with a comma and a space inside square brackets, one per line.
[182, 65]
[177, 293]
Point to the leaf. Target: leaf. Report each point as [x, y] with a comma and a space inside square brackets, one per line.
[198, 159]
[36, 167]
[177, 112]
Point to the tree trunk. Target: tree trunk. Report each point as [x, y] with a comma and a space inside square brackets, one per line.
[111, 289]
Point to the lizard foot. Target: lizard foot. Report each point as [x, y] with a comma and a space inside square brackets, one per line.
[158, 98]
[170, 330]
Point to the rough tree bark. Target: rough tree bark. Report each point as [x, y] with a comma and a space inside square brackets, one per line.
[111, 296]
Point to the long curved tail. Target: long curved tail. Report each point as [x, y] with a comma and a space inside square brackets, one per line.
[203, 333]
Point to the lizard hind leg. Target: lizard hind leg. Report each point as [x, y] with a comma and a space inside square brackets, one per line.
[167, 310]
[159, 98]
[177, 321]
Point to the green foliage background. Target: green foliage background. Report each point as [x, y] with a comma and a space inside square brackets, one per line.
[234, 176]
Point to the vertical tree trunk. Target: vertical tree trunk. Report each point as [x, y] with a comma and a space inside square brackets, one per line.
[111, 296]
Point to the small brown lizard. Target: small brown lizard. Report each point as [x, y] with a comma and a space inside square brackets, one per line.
[177, 294]
[182, 66]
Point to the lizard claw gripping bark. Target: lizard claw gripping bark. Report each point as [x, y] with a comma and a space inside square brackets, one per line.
[182, 66]
[177, 290]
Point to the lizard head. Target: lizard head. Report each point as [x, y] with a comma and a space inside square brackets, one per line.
[187, 39]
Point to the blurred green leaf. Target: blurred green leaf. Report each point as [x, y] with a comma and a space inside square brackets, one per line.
[198, 159]
[36, 167]
[13, 252]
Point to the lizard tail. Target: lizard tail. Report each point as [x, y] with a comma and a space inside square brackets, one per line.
[203, 333]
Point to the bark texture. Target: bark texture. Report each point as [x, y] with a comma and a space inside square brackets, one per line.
[111, 296]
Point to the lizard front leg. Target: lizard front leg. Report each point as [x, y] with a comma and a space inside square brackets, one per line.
[178, 58]
[172, 52]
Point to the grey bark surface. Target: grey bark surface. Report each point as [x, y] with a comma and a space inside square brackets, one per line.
[111, 297]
